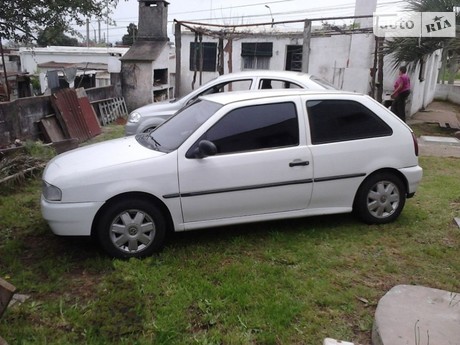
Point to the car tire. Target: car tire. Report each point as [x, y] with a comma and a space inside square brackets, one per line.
[380, 198]
[131, 228]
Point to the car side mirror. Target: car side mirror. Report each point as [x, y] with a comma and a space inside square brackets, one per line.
[205, 148]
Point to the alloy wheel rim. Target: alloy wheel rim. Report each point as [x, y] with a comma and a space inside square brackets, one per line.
[383, 199]
[132, 231]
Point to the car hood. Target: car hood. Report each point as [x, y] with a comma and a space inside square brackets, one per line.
[159, 108]
[103, 157]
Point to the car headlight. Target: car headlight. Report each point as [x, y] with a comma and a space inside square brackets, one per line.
[134, 117]
[50, 192]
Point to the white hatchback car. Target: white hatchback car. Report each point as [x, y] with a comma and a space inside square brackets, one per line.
[150, 116]
[235, 158]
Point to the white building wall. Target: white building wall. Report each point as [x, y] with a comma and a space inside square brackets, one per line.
[423, 84]
[331, 58]
[31, 57]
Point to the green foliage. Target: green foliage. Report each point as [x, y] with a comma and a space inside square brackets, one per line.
[54, 36]
[410, 50]
[284, 282]
[130, 38]
[21, 20]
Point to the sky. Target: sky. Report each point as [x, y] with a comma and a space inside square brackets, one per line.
[235, 12]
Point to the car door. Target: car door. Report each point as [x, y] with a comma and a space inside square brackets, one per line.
[348, 141]
[262, 165]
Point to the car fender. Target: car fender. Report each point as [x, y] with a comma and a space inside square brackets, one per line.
[152, 121]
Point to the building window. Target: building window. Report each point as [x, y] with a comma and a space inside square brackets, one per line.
[209, 51]
[256, 55]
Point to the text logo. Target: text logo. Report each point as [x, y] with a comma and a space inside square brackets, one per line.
[415, 24]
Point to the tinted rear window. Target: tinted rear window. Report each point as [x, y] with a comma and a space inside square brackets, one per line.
[342, 120]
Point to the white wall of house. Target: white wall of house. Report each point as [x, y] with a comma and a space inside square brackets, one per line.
[448, 92]
[423, 81]
[31, 57]
[343, 60]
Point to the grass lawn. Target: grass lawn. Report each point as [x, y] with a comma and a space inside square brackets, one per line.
[284, 282]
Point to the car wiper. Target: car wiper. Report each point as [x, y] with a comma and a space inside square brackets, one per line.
[157, 144]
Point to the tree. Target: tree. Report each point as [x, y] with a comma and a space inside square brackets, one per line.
[54, 36]
[412, 50]
[20, 21]
[130, 38]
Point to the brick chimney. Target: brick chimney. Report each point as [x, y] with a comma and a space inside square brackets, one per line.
[145, 66]
[153, 20]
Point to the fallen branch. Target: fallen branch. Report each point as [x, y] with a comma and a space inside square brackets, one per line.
[22, 174]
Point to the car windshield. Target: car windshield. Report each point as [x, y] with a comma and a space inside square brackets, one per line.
[323, 83]
[173, 132]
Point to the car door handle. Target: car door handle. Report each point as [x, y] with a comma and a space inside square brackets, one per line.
[298, 163]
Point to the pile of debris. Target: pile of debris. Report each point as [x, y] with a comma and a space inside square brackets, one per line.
[23, 160]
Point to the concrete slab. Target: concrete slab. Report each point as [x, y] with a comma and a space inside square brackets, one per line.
[409, 315]
[330, 341]
[440, 140]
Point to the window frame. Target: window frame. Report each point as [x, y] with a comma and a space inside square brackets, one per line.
[209, 56]
[256, 55]
[318, 135]
[291, 117]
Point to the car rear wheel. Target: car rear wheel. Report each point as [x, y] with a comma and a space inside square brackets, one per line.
[131, 228]
[380, 199]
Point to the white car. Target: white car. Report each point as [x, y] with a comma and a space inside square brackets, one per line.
[150, 116]
[234, 158]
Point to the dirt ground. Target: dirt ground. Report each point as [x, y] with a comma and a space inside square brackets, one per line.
[446, 114]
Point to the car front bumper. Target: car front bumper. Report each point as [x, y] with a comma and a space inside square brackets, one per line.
[131, 128]
[70, 219]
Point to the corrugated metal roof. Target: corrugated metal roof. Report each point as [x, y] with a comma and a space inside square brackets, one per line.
[76, 114]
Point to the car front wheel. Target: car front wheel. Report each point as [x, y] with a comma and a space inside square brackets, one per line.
[131, 228]
[380, 199]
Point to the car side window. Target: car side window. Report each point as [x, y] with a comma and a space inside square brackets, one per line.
[277, 84]
[342, 120]
[235, 85]
[255, 127]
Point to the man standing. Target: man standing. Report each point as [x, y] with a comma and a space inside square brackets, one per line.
[400, 93]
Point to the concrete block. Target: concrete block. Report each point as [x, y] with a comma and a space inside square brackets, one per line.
[6, 293]
[330, 341]
[417, 315]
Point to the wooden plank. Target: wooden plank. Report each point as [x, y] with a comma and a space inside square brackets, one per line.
[51, 129]
[87, 112]
[6, 293]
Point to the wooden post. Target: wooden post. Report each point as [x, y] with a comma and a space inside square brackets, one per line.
[178, 41]
[379, 96]
[200, 38]
[7, 87]
[194, 60]
[306, 46]
[6, 293]
[220, 56]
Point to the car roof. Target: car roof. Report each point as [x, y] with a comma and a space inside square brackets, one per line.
[239, 96]
[266, 74]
